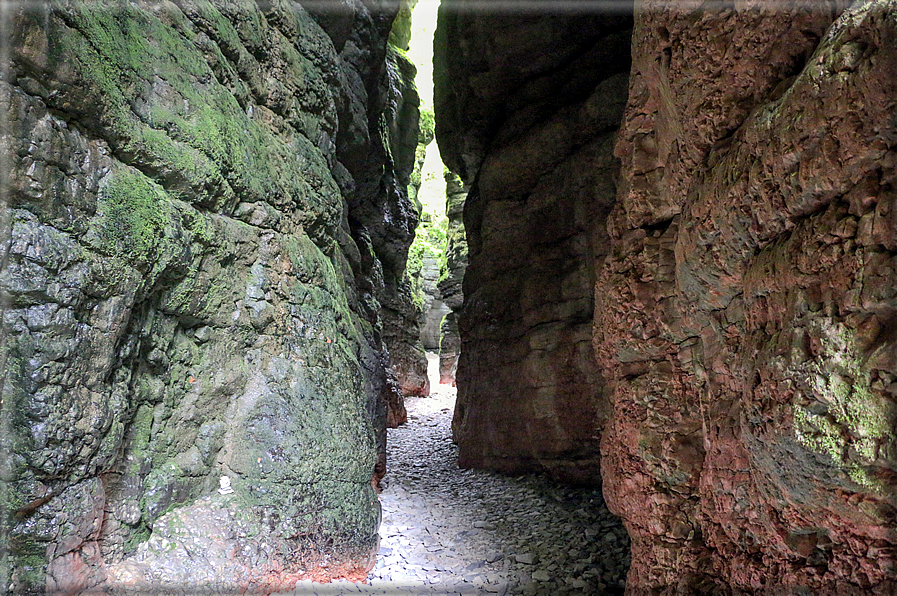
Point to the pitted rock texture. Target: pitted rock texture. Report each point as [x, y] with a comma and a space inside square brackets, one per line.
[205, 212]
[545, 93]
[745, 318]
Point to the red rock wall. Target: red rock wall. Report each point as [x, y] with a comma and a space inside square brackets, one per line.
[527, 107]
[745, 319]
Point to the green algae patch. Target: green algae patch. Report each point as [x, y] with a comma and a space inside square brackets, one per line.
[31, 568]
[134, 214]
[163, 111]
[213, 279]
[400, 34]
[141, 436]
[849, 420]
[135, 539]
[430, 240]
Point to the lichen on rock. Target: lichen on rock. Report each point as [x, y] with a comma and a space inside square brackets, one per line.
[193, 289]
[844, 419]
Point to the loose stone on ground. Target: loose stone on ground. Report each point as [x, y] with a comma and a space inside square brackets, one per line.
[474, 532]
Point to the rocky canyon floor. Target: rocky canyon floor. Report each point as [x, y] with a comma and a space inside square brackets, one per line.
[472, 532]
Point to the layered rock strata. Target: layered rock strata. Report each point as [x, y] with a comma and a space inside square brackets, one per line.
[526, 111]
[205, 211]
[745, 318]
[434, 308]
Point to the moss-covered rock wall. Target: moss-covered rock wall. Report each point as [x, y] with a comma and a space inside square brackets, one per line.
[205, 209]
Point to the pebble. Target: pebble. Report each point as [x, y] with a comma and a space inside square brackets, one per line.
[541, 575]
[478, 533]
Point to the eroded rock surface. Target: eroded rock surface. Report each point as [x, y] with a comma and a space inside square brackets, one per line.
[745, 298]
[545, 94]
[400, 312]
[745, 317]
[205, 216]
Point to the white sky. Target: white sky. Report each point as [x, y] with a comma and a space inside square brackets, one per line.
[423, 26]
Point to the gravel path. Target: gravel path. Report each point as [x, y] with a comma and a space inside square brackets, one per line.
[473, 532]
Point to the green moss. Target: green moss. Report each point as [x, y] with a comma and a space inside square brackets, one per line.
[14, 405]
[141, 534]
[400, 34]
[191, 134]
[856, 420]
[160, 107]
[111, 444]
[134, 214]
[819, 433]
[30, 573]
[200, 226]
[207, 287]
[429, 242]
[427, 125]
[139, 448]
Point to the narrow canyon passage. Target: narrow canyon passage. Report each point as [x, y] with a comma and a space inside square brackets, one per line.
[452, 531]
[656, 250]
[478, 532]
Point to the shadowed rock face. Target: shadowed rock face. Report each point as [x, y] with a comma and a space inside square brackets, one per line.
[745, 291]
[545, 94]
[398, 310]
[206, 209]
[450, 288]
